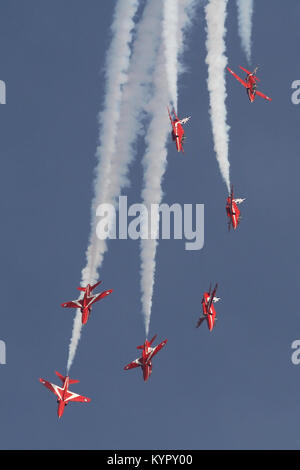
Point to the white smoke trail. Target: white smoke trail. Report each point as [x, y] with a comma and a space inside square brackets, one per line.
[245, 12]
[154, 160]
[113, 167]
[170, 36]
[215, 12]
[117, 63]
[176, 18]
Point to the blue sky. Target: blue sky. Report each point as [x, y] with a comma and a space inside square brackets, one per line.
[233, 388]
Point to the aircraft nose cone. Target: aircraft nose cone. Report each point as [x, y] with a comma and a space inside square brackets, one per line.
[60, 410]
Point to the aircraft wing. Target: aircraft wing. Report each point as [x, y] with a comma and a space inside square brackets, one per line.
[231, 202]
[211, 299]
[170, 117]
[214, 291]
[133, 364]
[249, 73]
[97, 297]
[238, 78]
[157, 349]
[209, 303]
[176, 117]
[200, 321]
[53, 388]
[263, 96]
[75, 397]
[73, 304]
[245, 70]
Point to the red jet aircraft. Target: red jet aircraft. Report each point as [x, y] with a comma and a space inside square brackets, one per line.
[87, 301]
[232, 210]
[145, 361]
[209, 312]
[250, 84]
[64, 396]
[177, 130]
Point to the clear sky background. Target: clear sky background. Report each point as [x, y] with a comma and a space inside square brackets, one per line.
[233, 388]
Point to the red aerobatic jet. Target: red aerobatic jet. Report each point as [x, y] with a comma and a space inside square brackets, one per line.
[177, 130]
[145, 361]
[87, 301]
[209, 312]
[232, 210]
[64, 396]
[250, 84]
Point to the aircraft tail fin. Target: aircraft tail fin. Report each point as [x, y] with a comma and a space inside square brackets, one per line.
[248, 72]
[62, 378]
[185, 120]
[95, 285]
[74, 381]
[254, 71]
[153, 339]
[239, 200]
[83, 289]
